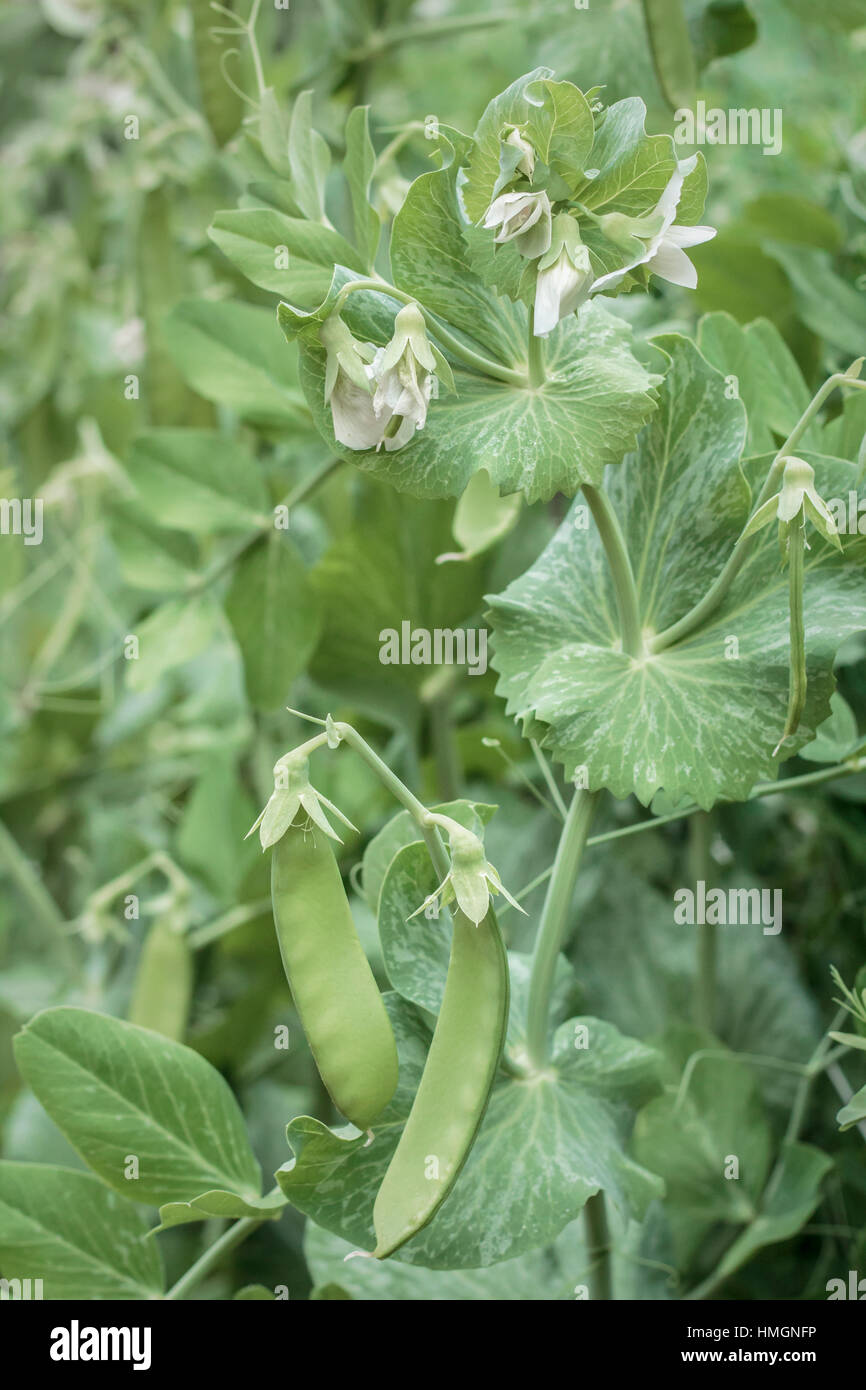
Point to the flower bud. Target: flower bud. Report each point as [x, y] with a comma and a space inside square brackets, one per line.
[525, 219]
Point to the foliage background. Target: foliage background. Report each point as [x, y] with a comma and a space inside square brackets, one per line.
[107, 271]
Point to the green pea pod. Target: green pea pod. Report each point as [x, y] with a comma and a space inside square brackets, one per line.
[163, 982]
[222, 107]
[672, 52]
[455, 1086]
[335, 994]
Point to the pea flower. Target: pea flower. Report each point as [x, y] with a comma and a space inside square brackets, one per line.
[659, 244]
[471, 880]
[292, 793]
[564, 276]
[525, 219]
[406, 373]
[348, 388]
[514, 137]
[797, 500]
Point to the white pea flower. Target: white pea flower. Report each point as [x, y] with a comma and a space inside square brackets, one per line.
[662, 245]
[407, 373]
[564, 276]
[525, 219]
[797, 499]
[471, 880]
[348, 388]
[526, 163]
[292, 793]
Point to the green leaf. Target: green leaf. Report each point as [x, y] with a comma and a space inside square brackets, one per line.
[309, 160]
[274, 135]
[174, 634]
[481, 518]
[633, 168]
[827, 304]
[515, 1193]
[693, 719]
[543, 441]
[197, 480]
[377, 576]
[560, 126]
[544, 1275]
[671, 47]
[76, 1235]
[151, 557]
[689, 1136]
[855, 1111]
[793, 1195]
[766, 377]
[259, 240]
[358, 167]
[836, 737]
[415, 950]
[222, 1205]
[235, 355]
[216, 817]
[274, 614]
[431, 259]
[762, 1005]
[482, 171]
[120, 1092]
[721, 28]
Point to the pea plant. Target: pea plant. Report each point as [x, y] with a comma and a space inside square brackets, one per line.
[536, 1072]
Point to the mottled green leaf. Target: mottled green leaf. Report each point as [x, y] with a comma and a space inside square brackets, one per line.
[76, 1235]
[700, 718]
[542, 1150]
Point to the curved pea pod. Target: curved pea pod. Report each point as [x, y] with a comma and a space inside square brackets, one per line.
[455, 1086]
[221, 105]
[335, 994]
[672, 52]
[163, 982]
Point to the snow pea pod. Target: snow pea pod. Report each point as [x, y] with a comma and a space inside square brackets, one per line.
[221, 105]
[163, 982]
[455, 1086]
[672, 52]
[335, 994]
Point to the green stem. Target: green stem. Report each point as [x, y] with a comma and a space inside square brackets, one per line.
[220, 926]
[700, 834]
[743, 547]
[227, 1242]
[762, 789]
[445, 756]
[466, 354]
[796, 634]
[554, 922]
[535, 365]
[598, 1247]
[549, 778]
[614, 544]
